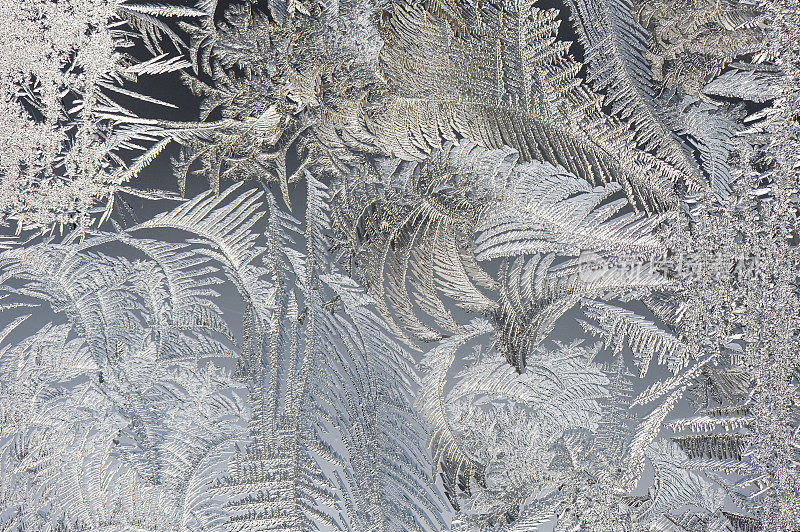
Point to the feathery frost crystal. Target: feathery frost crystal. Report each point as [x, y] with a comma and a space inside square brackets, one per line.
[470, 265]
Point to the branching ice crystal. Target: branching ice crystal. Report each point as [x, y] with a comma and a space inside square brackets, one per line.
[451, 270]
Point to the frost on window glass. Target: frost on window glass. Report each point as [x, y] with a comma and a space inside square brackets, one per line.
[399, 265]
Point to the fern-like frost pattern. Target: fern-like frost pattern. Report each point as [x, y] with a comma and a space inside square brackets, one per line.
[400, 265]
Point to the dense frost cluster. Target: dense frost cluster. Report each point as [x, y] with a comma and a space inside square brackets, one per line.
[470, 265]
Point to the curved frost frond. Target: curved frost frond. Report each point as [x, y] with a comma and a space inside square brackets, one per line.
[562, 387]
[432, 402]
[647, 340]
[616, 47]
[535, 294]
[544, 209]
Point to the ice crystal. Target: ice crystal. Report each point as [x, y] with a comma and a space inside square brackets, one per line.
[453, 271]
